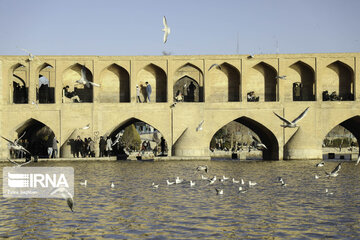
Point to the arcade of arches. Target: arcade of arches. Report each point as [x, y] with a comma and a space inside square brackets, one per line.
[243, 89]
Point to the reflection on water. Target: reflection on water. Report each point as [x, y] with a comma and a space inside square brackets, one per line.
[133, 209]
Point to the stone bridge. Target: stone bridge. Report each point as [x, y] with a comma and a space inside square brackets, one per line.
[32, 97]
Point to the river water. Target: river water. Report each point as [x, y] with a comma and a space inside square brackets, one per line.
[134, 210]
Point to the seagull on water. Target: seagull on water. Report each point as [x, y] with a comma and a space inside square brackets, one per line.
[235, 181]
[65, 194]
[219, 191]
[192, 183]
[320, 164]
[242, 182]
[242, 190]
[169, 183]
[281, 180]
[83, 183]
[112, 185]
[258, 144]
[166, 29]
[316, 176]
[178, 180]
[334, 172]
[225, 178]
[212, 180]
[202, 168]
[203, 177]
[327, 192]
[292, 124]
[199, 127]
[155, 185]
[14, 144]
[215, 65]
[252, 183]
[84, 81]
[18, 164]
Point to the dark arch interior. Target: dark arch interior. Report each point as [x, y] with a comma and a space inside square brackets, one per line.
[270, 81]
[143, 129]
[346, 76]
[20, 90]
[189, 88]
[234, 92]
[38, 137]
[264, 135]
[353, 126]
[304, 91]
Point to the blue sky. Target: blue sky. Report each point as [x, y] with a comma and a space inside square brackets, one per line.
[133, 27]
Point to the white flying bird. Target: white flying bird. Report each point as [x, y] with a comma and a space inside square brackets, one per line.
[219, 191]
[281, 77]
[85, 127]
[358, 160]
[30, 55]
[14, 144]
[18, 164]
[334, 172]
[83, 183]
[199, 127]
[65, 194]
[292, 124]
[258, 144]
[84, 81]
[166, 29]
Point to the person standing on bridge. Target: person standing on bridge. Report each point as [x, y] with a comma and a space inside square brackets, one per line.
[148, 91]
[138, 100]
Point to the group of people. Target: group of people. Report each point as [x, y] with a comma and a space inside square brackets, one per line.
[145, 91]
[251, 97]
[82, 148]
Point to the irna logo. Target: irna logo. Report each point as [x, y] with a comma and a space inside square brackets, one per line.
[34, 180]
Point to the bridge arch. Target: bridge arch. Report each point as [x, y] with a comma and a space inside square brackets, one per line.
[266, 136]
[71, 75]
[157, 78]
[45, 88]
[193, 74]
[37, 138]
[225, 84]
[304, 87]
[155, 140]
[339, 139]
[19, 82]
[267, 78]
[340, 79]
[115, 84]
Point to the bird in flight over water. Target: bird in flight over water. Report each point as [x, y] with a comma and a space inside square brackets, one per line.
[293, 123]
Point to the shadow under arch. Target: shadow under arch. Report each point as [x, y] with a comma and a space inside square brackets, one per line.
[352, 125]
[115, 84]
[71, 75]
[234, 81]
[189, 88]
[265, 136]
[153, 135]
[192, 72]
[19, 83]
[46, 86]
[38, 136]
[345, 74]
[157, 79]
[270, 81]
[306, 91]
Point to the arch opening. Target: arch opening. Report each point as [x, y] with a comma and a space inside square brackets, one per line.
[342, 141]
[45, 89]
[236, 136]
[340, 82]
[138, 137]
[157, 79]
[270, 82]
[38, 137]
[70, 76]
[115, 85]
[20, 84]
[189, 80]
[304, 88]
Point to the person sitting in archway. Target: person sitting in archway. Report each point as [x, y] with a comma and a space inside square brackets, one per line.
[72, 95]
[179, 96]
